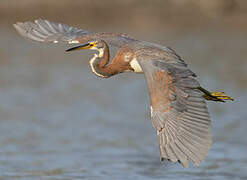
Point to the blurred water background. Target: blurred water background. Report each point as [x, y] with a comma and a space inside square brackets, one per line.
[58, 121]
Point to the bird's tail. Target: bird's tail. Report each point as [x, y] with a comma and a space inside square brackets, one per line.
[215, 96]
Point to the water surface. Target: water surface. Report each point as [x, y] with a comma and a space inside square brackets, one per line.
[58, 121]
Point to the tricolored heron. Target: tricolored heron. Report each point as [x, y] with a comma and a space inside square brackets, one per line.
[178, 108]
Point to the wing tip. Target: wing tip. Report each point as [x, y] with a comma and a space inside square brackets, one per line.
[184, 155]
[20, 29]
[25, 29]
[184, 163]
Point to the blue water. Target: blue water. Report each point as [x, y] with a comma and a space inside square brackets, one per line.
[58, 121]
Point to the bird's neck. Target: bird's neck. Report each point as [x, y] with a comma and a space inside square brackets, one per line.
[99, 63]
[101, 67]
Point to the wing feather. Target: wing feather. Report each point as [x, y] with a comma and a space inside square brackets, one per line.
[48, 31]
[179, 111]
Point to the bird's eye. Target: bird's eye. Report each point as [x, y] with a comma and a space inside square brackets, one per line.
[91, 44]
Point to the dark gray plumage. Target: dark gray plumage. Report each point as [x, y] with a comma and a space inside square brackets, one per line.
[184, 130]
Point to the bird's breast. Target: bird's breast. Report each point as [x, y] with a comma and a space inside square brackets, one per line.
[136, 66]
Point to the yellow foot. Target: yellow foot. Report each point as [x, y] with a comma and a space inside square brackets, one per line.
[218, 96]
[215, 96]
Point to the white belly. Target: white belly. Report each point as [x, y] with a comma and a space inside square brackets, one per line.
[136, 66]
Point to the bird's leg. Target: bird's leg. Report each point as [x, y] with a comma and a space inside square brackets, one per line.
[215, 96]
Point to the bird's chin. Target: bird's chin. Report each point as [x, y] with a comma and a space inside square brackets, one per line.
[96, 55]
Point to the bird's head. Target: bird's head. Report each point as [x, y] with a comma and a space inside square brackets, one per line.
[98, 45]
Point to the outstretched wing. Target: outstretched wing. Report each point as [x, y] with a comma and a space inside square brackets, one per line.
[48, 31]
[178, 110]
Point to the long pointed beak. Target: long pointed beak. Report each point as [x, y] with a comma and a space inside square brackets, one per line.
[84, 46]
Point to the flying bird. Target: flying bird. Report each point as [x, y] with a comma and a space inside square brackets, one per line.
[177, 101]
